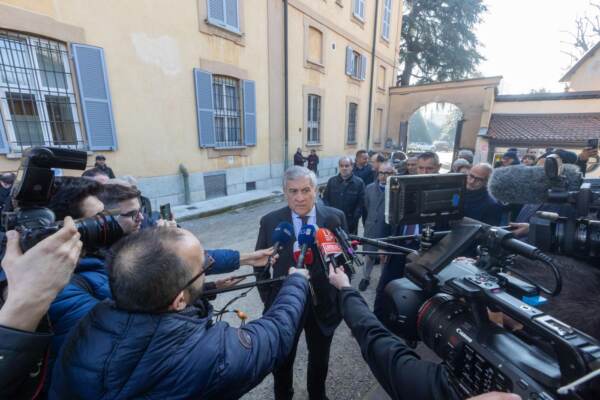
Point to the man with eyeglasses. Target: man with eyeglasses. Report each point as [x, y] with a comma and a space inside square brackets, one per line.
[375, 226]
[479, 204]
[151, 341]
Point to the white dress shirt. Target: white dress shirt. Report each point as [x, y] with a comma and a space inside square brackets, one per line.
[297, 222]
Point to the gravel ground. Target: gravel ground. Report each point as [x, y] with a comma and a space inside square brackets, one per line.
[349, 376]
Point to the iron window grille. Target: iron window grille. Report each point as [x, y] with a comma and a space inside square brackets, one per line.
[314, 119]
[37, 98]
[226, 96]
[352, 111]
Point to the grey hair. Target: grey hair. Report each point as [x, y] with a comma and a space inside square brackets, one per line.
[345, 158]
[129, 179]
[488, 168]
[460, 162]
[296, 172]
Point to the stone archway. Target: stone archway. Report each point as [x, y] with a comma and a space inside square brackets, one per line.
[474, 97]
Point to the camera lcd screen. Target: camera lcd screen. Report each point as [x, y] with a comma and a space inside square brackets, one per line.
[417, 199]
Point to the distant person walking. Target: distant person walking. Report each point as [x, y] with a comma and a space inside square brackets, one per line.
[299, 158]
[313, 161]
[346, 192]
[101, 165]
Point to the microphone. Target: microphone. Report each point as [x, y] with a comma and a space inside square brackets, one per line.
[520, 184]
[333, 223]
[306, 238]
[381, 244]
[309, 257]
[282, 234]
[308, 260]
[330, 249]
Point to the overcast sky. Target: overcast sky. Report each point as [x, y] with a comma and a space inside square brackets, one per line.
[522, 42]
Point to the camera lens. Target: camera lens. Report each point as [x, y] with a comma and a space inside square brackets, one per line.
[101, 230]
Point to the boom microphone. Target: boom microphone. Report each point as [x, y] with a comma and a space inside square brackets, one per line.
[306, 239]
[520, 184]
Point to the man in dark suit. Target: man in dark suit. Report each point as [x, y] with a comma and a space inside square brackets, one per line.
[322, 318]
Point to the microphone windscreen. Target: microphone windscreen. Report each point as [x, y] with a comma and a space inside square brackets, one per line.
[306, 236]
[332, 222]
[283, 233]
[521, 184]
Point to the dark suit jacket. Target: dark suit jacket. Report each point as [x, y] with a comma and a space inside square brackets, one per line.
[327, 310]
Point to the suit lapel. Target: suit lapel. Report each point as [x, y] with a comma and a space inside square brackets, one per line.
[320, 217]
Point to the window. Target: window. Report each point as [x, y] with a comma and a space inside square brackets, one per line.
[224, 14]
[378, 125]
[359, 9]
[315, 45]
[381, 77]
[352, 113]
[356, 64]
[37, 99]
[385, 21]
[313, 119]
[226, 100]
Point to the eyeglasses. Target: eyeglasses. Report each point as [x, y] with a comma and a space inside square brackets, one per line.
[386, 173]
[476, 178]
[135, 215]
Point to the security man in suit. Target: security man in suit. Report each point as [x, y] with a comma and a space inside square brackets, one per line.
[322, 318]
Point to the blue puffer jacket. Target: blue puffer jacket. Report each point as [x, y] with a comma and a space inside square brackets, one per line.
[113, 354]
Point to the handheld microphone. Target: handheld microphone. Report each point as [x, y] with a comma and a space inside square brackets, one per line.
[520, 184]
[333, 223]
[309, 257]
[282, 234]
[308, 260]
[306, 238]
[330, 249]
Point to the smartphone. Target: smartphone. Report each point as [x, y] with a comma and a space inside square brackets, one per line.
[592, 143]
[165, 212]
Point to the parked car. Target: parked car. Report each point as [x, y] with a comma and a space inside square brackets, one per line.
[441, 145]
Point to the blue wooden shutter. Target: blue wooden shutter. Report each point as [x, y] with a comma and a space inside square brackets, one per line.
[216, 11]
[349, 61]
[3, 140]
[363, 67]
[204, 108]
[249, 113]
[231, 14]
[95, 98]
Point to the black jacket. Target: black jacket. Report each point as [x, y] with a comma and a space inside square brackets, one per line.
[366, 173]
[326, 311]
[106, 169]
[480, 205]
[299, 159]
[348, 196]
[396, 367]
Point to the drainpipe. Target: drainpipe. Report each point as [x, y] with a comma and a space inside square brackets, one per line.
[285, 85]
[372, 74]
[186, 183]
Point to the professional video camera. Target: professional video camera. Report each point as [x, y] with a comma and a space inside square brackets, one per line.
[32, 192]
[578, 236]
[446, 302]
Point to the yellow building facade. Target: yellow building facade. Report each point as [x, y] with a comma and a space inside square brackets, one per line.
[155, 84]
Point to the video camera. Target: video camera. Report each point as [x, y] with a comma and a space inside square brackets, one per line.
[33, 190]
[447, 302]
[578, 236]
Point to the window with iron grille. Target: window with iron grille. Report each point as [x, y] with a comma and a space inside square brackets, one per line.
[352, 111]
[314, 119]
[226, 100]
[37, 98]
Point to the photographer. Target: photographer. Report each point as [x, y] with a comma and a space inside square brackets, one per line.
[152, 343]
[396, 367]
[32, 281]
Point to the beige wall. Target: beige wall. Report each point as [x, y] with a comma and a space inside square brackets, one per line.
[547, 107]
[474, 97]
[587, 76]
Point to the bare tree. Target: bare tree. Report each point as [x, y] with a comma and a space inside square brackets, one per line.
[586, 34]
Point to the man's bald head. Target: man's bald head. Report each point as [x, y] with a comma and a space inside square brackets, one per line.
[478, 176]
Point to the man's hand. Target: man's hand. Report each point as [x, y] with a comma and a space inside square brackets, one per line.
[259, 258]
[520, 228]
[228, 282]
[496, 396]
[338, 278]
[35, 278]
[587, 153]
[163, 223]
[299, 271]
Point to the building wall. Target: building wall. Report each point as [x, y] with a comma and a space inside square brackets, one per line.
[151, 48]
[547, 107]
[587, 76]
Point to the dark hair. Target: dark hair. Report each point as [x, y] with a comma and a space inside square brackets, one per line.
[92, 172]
[528, 157]
[358, 153]
[379, 158]
[100, 157]
[8, 178]
[69, 192]
[145, 271]
[115, 193]
[429, 155]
